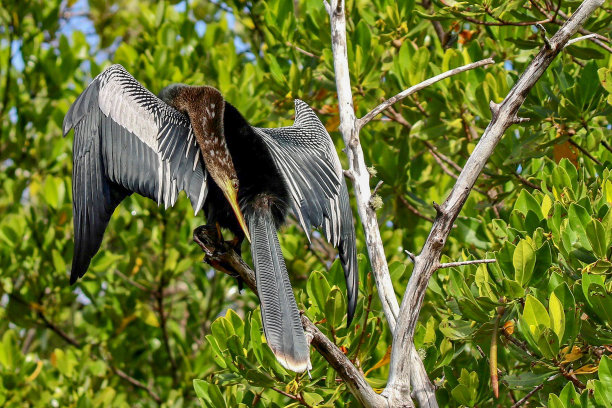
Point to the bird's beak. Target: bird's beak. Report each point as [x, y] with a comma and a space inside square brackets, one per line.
[232, 198]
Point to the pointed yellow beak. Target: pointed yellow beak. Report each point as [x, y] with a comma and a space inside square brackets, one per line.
[232, 198]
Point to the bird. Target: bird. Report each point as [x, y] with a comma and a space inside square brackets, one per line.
[246, 179]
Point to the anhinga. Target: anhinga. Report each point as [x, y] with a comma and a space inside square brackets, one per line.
[128, 140]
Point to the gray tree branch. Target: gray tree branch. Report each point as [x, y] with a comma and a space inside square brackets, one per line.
[413, 89]
[357, 166]
[503, 116]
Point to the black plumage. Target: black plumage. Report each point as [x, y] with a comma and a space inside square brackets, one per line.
[246, 179]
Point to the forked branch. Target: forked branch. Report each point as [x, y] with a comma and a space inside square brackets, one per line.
[503, 116]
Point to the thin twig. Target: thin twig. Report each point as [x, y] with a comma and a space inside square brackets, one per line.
[461, 263]
[527, 182]
[572, 377]
[598, 37]
[159, 295]
[606, 145]
[132, 282]
[584, 151]
[412, 209]
[584, 37]
[407, 92]
[442, 165]
[365, 324]
[7, 83]
[295, 397]
[442, 156]
[526, 397]
[498, 22]
[49, 324]
[518, 344]
[301, 50]
[136, 383]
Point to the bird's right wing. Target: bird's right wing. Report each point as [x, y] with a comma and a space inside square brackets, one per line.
[126, 140]
[306, 157]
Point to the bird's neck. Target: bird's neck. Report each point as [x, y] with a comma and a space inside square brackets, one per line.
[205, 107]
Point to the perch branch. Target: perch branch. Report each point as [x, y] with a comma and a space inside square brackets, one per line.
[222, 257]
[504, 115]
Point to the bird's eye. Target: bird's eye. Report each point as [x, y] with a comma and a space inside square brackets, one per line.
[235, 184]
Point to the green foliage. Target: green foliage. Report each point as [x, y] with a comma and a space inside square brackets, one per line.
[150, 325]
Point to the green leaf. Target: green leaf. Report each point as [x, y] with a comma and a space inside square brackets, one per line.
[603, 393]
[9, 352]
[597, 237]
[605, 370]
[457, 329]
[535, 315]
[569, 397]
[526, 380]
[524, 262]
[209, 394]
[548, 343]
[555, 402]
[318, 289]
[584, 53]
[335, 307]
[602, 302]
[557, 315]
[312, 399]
[526, 202]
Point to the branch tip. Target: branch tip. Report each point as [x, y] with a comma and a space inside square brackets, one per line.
[518, 119]
[410, 255]
[494, 108]
[543, 34]
[349, 174]
[438, 209]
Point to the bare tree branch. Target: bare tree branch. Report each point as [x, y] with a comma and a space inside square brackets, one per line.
[407, 92]
[361, 177]
[222, 257]
[584, 37]
[504, 115]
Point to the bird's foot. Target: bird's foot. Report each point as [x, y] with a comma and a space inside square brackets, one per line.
[210, 239]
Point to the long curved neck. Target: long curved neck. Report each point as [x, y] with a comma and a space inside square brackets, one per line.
[205, 107]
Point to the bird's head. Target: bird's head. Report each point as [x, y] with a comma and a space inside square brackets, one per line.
[205, 106]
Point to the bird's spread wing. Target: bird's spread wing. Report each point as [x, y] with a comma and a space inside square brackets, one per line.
[305, 155]
[126, 140]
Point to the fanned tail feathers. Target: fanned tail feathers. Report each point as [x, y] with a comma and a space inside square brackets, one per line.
[279, 313]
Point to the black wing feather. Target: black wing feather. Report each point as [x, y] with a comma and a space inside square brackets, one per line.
[126, 140]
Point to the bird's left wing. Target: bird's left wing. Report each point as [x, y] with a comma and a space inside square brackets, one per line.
[305, 155]
[126, 140]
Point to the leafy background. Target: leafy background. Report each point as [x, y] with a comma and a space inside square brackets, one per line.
[149, 318]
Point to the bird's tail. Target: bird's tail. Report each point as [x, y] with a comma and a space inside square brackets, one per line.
[279, 314]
